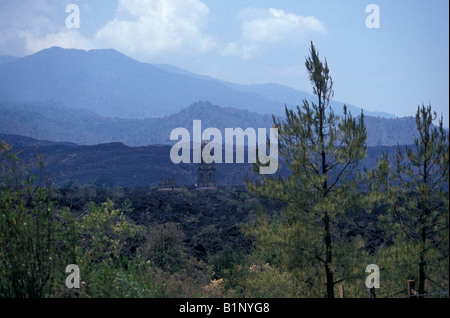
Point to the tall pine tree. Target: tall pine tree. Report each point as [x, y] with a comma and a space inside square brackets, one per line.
[320, 150]
[416, 187]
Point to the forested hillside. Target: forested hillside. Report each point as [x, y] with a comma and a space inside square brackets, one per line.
[56, 122]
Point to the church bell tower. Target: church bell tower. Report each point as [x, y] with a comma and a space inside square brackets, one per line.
[206, 173]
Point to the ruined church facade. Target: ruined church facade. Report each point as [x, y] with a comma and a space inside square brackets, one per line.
[206, 173]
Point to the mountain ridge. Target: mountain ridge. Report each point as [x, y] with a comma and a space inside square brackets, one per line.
[56, 122]
[276, 92]
[109, 83]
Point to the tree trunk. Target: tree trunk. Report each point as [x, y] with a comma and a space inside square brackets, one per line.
[326, 220]
[422, 260]
[328, 257]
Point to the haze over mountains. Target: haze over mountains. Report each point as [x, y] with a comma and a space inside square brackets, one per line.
[53, 121]
[114, 85]
[99, 96]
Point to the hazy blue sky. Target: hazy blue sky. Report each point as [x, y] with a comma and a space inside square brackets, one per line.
[392, 68]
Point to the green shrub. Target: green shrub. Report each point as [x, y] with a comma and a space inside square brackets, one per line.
[28, 231]
[264, 281]
[164, 247]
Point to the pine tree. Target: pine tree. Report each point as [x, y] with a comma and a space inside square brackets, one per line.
[417, 190]
[321, 150]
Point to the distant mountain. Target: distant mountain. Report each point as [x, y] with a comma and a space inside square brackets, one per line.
[55, 122]
[276, 92]
[114, 85]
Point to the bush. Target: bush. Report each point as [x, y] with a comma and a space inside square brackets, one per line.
[164, 247]
[104, 231]
[28, 231]
[264, 281]
[224, 261]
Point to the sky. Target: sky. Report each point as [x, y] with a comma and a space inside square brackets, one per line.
[391, 57]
